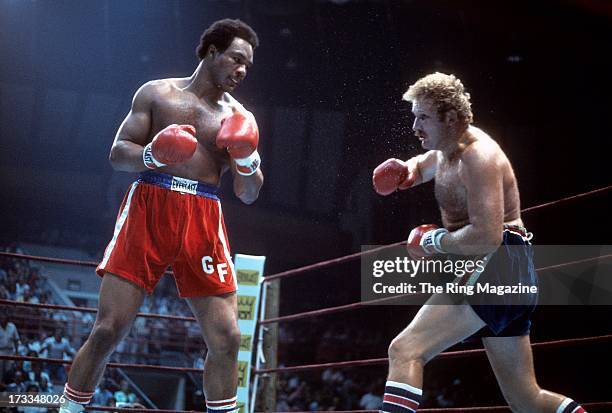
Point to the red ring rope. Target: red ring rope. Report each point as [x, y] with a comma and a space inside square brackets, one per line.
[306, 314]
[594, 405]
[445, 355]
[91, 310]
[111, 365]
[300, 270]
[361, 304]
[346, 258]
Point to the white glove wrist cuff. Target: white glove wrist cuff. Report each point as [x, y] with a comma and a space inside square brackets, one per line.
[148, 159]
[431, 242]
[249, 165]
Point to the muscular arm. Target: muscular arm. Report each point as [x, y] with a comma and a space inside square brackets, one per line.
[482, 176]
[246, 188]
[133, 134]
[425, 165]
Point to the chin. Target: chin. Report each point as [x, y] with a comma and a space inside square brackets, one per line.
[228, 89]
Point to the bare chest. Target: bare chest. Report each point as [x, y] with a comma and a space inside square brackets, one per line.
[177, 110]
[450, 191]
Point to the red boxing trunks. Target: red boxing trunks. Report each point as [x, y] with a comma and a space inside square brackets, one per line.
[166, 220]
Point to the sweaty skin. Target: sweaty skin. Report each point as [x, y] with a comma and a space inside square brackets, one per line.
[202, 101]
[451, 178]
[477, 193]
[168, 102]
[475, 185]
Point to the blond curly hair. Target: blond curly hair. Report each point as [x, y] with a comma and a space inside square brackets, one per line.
[446, 92]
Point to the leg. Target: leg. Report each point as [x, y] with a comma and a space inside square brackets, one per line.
[512, 362]
[438, 325]
[117, 307]
[218, 319]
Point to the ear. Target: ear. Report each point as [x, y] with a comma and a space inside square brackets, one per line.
[212, 50]
[450, 117]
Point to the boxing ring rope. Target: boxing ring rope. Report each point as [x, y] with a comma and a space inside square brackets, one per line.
[500, 409]
[350, 363]
[300, 270]
[350, 257]
[444, 355]
[91, 310]
[293, 272]
[568, 198]
[297, 316]
[362, 304]
[594, 405]
[111, 365]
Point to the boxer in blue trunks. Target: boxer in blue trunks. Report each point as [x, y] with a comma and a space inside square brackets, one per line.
[479, 203]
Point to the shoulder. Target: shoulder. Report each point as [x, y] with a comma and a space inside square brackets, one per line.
[231, 101]
[483, 152]
[482, 161]
[152, 90]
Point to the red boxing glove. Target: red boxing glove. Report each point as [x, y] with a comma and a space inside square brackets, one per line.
[173, 144]
[391, 175]
[424, 241]
[240, 136]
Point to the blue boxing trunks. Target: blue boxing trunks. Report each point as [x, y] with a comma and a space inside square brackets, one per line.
[509, 267]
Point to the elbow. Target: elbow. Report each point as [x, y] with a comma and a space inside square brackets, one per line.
[248, 200]
[491, 241]
[115, 159]
[247, 196]
[112, 157]
[248, 192]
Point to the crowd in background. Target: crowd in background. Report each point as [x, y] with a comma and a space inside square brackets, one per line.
[60, 333]
[41, 333]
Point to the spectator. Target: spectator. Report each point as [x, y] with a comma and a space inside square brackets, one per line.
[17, 383]
[102, 395]
[37, 374]
[370, 400]
[32, 388]
[4, 293]
[9, 340]
[27, 365]
[56, 347]
[21, 287]
[124, 396]
[198, 362]
[28, 297]
[45, 384]
[34, 344]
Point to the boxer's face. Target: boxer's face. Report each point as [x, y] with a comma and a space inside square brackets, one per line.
[428, 127]
[230, 67]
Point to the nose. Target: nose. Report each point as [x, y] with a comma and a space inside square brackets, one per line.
[241, 71]
[415, 124]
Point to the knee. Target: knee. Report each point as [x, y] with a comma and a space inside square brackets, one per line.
[406, 350]
[106, 335]
[226, 342]
[525, 401]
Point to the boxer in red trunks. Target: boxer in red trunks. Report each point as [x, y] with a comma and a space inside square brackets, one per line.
[479, 201]
[181, 135]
